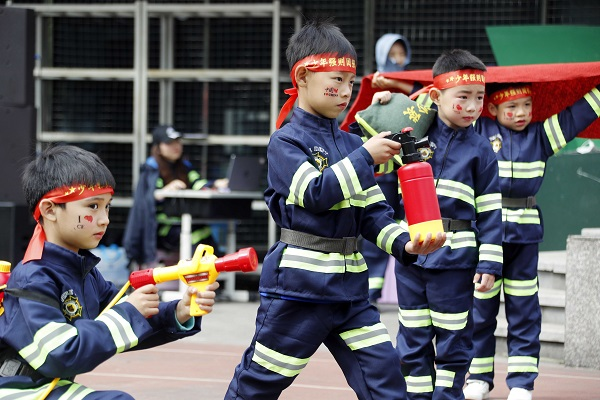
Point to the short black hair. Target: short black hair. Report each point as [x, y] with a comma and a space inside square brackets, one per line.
[63, 165]
[318, 37]
[457, 59]
[492, 88]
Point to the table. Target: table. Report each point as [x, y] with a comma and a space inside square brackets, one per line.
[208, 206]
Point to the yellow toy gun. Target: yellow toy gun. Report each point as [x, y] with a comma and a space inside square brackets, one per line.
[202, 270]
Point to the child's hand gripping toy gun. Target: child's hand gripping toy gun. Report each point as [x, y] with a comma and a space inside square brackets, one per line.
[200, 271]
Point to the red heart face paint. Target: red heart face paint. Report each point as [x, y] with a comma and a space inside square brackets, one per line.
[88, 218]
[509, 115]
[457, 108]
[331, 92]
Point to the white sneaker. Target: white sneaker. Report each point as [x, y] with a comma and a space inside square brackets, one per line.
[520, 394]
[476, 390]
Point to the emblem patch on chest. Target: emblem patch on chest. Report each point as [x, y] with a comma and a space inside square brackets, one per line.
[496, 142]
[71, 307]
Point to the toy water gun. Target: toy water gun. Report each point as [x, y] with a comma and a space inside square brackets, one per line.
[199, 271]
[4, 275]
[418, 187]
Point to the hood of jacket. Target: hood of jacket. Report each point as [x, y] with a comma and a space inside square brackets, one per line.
[382, 49]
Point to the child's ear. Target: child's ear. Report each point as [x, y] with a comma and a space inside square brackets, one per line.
[301, 73]
[493, 109]
[434, 94]
[47, 210]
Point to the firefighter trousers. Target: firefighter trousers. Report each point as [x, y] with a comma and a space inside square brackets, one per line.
[523, 314]
[434, 304]
[289, 332]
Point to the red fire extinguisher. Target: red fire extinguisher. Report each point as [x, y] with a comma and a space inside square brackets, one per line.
[418, 188]
[4, 275]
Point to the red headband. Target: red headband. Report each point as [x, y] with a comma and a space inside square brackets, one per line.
[510, 94]
[452, 79]
[59, 195]
[316, 63]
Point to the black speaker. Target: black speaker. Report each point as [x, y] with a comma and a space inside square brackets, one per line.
[17, 138]
[17, 41]
[17, 227]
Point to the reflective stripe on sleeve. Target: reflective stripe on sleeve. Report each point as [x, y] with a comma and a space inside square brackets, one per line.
[306, 173]
[488, 202]
[120, 330]
[347, 178]
[490, 252]
[554, 133]
[593, 99]
[45, 340]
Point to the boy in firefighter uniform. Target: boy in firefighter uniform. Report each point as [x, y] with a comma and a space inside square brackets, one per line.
[522, 149]
[52, 326]
[322, 193]
[435, 293]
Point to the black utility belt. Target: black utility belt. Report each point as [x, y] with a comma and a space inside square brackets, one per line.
[518, 202]
[453, 225]
[11, 365]
[347, 245]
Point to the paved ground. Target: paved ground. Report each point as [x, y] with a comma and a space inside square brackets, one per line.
[200, 367]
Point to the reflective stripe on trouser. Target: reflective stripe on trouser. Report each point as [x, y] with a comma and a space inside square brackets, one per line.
[434, 304]
[64, 390]
[289, 332]
[523, 314]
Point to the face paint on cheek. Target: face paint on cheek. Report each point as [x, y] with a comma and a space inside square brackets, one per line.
[331, 92]
[89, 218]
[480, 110]
[457, 108]
[509, 115]
[530, 114]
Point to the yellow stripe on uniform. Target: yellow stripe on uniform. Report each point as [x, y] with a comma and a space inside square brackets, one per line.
[277, 362]
[414, 318]
[593, 99]
[521, 170]
[482, 365]
[120, 330]
[522, 216]
[488, 202]
[449, 321]
[493, 292]
[366, 336]
[490, 252]
[375, 283]
[419, 384]
[554, 133]
[387, 236]
[520, 288]
[347, 178]
[46, 339]
[456, 190]
[306, 173]
[326, 263]
[444, 378]
[522, 364]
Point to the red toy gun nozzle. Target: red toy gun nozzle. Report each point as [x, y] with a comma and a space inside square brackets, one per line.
[244, 260]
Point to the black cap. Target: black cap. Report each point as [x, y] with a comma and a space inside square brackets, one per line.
[164, 134]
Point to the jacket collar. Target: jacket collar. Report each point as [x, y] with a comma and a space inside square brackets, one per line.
[84, 261]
